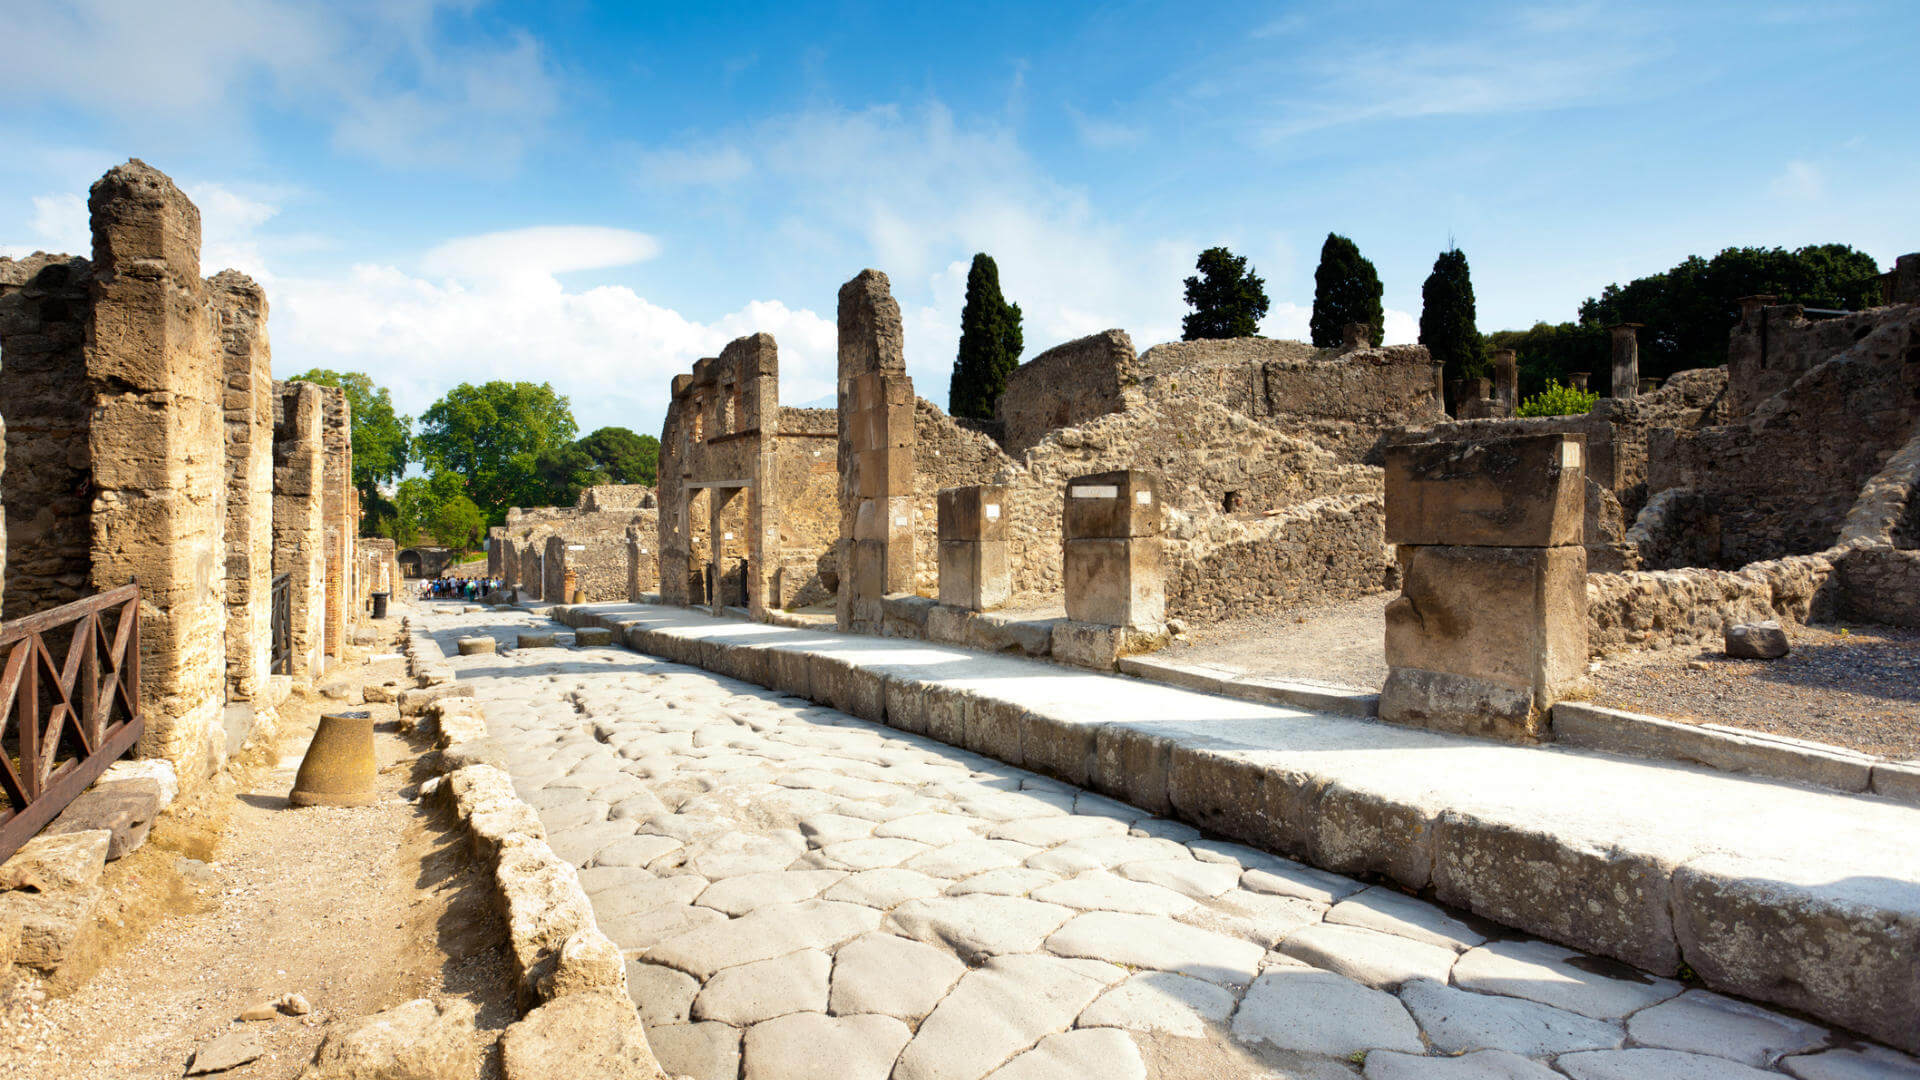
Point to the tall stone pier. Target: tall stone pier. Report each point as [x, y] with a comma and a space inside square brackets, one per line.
[875, 549]
[241, 306]
[1490, 628]
[1506, 379]
[299, 521]
[973, 547]
[1626, 359]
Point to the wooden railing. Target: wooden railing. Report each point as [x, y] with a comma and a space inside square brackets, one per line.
[63, 722]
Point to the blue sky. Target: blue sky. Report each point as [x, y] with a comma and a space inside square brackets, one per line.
[597, 195]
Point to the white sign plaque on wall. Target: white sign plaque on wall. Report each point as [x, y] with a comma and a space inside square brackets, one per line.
[1096, 491]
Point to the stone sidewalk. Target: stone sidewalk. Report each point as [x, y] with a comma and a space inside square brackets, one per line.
[805, 894]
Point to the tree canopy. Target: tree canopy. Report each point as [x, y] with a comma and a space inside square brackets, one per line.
[1689, 310]
[1346, 289]
[491, 436]
[622, 456]
[1227, 297]
[382, 439]
[990, 344]
[1447, 326]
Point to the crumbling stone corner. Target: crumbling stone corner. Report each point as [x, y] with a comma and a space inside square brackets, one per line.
[875, 553]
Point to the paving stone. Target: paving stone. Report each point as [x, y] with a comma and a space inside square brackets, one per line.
[1483, 1065]
[739, 895]
[888, 888]
[1456, 1021]
[1200, 880]
[1161, 1001]
[1303, 882]
[624, 889]
[1707, 1023]
[871, 853]
[1318, 1012]
[1098, 890]
[1560, 977]
[1177, 831]
[933, 829]
[738, 854]
[1078, 1055]
[709, 1051]
[579, 845]
[885, 973]
[763, 934]
[637, 931]
[969, 857]
[810, 1046]
[1854, 1063]
[1379, 960]
[663, 995]
[1014, 805]
[824, 829]
[1088, 804]
[1644, 1064]
[1014, 881]
[1262, 918]
[635, 850]
[1149, 941]
[1048, 831]
[979, 925]
[1105, 853]
[1393, 912]
[750, 993]
[997, 1011]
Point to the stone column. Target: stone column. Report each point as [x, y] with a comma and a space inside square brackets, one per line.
[1579, 379]
[1356, 336]
[299, 522]
[973, 547]
[496, 555]
[721, 544]
[1903, 282]
[159, 484]
[754, 363]
[1506, 378]
[1626, 359]
[337, 507]
[1114, 566]
[875, 550]
[249, 405]
[1490, 628]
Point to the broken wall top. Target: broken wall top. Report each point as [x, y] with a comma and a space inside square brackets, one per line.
[1517, 491]
[871, 336]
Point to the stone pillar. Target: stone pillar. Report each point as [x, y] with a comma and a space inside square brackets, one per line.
[496, 555]
[875, 549]
[1626, 359]
[242, 310]
[1356, 336]
[159, 483]
[973, 547]
[1902, 284]
[299, 522]
[721, 546]
[1113, 562]
[336, 429]
[1506, 378]
[1579, 379]
[1490, 628]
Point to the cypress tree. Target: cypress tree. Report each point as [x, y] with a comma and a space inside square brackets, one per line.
[1447, 318]
[1346, 289]
[1227, 297]
[990, 344]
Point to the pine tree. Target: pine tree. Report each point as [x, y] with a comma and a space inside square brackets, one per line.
[1346, 289]
[1447, 318]
[990, 344]
[1227, 297]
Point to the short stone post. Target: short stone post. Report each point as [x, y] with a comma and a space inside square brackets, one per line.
[973, 547]
[1490, 628]
[1114, 568]
[1626, 359]
[1506, 377]
[1579, 379]
[1901, 285]
[1356, 336]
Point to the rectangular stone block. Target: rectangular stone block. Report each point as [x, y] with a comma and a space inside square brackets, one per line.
[1132, 765]
[1117, 582]
[1519, 491]
[1113, 505]
[885, 472]
[974, 574]
[1059, 747]
[993, 727]
[976, 512]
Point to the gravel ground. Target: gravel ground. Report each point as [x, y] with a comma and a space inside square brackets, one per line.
[1342, 643]
[1857, 687]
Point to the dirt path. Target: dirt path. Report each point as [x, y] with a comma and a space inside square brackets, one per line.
[240, 898]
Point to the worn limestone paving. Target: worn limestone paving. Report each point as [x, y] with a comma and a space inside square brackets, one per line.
[800, 893]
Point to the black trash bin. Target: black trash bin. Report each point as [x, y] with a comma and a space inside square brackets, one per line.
[379, 604]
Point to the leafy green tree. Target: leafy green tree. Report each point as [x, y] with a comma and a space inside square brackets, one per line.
[1689, 309]
[1552, 352]
[382, 441]
[990, 344]
[563, 472]
[459, 524]
[1346, 289]
[624, 457]
[1557, 400]
[1227, 297]
[491, 437]
[1447, 326]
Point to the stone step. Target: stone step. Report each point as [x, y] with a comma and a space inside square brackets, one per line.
[1803, 897]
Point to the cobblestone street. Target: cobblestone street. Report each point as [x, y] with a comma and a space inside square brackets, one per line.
[803, 894]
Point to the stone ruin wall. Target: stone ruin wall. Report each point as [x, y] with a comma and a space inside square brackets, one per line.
[45, 307]
[342, 522]
[299, 527]
[594, 544]
[805, 486]
[248, 404]
[1065, 386]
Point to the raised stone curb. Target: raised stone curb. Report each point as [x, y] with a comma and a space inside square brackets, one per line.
[1342, 701]
[572, 980]
[1693, 865]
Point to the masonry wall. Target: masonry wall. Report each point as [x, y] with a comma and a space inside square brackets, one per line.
[299, 525]
[805, 484]
[241, 307]
[1772, 346]
[1066, 385]
[44, 310]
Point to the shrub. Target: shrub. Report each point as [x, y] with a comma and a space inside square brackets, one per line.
[1558, 400]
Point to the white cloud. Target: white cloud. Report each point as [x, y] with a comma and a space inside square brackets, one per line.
[1287, 321]
[1104, 134]
[542, 251]
[1800, 180]
[1400, 328]
[695, 167]
[61, 223]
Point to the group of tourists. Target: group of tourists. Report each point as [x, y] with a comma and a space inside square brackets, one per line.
[453, 588]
